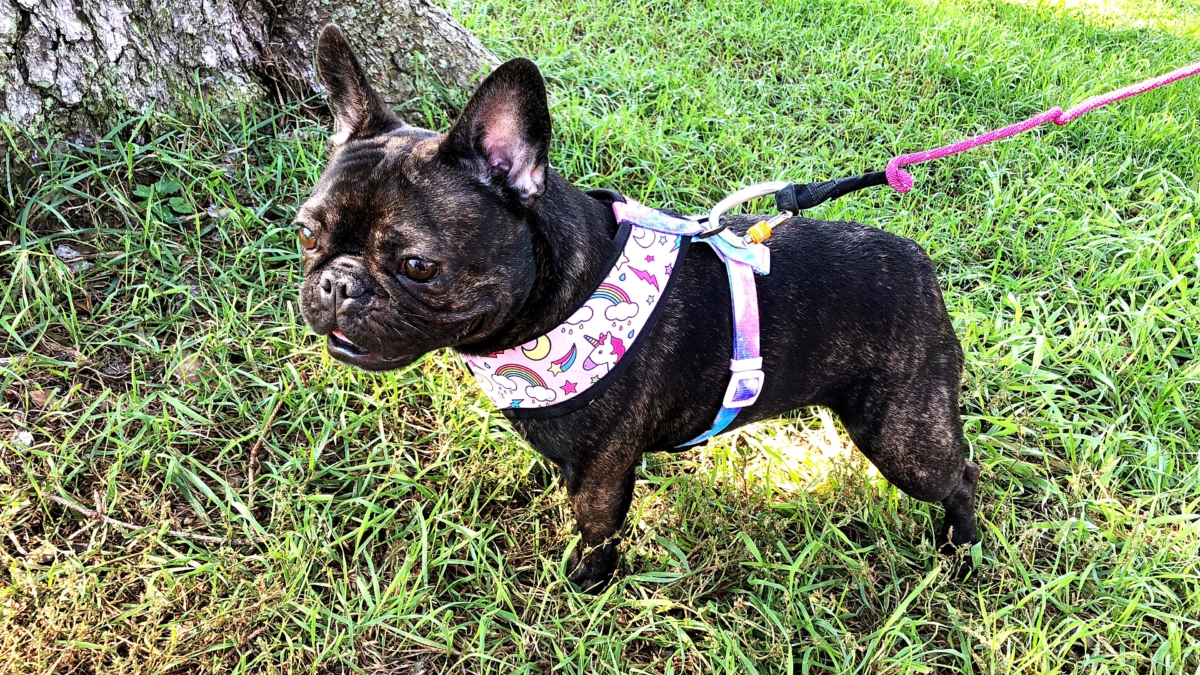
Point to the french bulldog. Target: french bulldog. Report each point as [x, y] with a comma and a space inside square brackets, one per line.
[414, 241]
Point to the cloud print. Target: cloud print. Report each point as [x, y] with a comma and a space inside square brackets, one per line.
[582, 314]
[505, 384]
[540, 393]
[621, 311]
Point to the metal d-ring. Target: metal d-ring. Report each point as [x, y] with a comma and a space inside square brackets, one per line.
[744, 195]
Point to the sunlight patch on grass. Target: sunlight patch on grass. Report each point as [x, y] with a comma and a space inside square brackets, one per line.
[1167, 17]
[804, 455]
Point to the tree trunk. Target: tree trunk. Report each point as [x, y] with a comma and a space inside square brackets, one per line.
[79, 66]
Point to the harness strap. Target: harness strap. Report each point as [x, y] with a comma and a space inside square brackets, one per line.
[746, 375]
[742, 262]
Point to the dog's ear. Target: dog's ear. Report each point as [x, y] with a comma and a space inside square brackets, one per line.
[357, 110]
[503, 135]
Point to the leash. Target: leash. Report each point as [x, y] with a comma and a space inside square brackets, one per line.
[746, 256]
[791, 198]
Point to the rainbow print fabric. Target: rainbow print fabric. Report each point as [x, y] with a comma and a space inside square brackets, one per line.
[578, 354]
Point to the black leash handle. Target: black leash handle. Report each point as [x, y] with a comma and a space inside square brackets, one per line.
[795, 198]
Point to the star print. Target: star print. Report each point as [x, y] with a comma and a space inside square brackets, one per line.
[662, 240]
[555, 369]
[650, 300]
[649, 258]
[595, 379]
[624, 260]
[569, 388]
[669, 268]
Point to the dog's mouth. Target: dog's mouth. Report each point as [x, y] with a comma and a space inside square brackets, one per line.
[343, 349]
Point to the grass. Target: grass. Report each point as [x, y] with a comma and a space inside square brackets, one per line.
[405, 529]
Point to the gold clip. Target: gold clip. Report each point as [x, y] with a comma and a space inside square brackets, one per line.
[764, 228]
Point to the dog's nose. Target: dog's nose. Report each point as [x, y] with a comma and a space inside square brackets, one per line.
[334, 285]
[343, 280]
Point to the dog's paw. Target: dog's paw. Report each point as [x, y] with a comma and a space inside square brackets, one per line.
[593, 572]
[949, 539]
[957, 549]
[944, 540]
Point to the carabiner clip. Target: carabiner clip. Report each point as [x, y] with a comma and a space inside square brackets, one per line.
[744, 195]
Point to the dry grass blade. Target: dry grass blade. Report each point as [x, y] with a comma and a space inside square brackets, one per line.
[204, 538]
[258, 443]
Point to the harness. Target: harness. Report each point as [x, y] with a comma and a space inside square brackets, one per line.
[571, 365]
[743, 259]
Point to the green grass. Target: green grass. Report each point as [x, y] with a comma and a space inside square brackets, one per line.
[406, 529]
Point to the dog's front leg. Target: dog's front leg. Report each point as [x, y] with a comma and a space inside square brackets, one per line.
[600, 499]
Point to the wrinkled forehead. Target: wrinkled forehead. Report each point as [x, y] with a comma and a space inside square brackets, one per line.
[366, 174]
[397, 178]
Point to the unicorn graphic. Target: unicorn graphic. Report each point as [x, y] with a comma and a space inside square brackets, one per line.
[606, 351]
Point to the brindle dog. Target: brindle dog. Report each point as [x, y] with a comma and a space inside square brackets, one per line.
[415, 240]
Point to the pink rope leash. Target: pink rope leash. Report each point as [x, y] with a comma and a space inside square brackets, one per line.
[902, 181]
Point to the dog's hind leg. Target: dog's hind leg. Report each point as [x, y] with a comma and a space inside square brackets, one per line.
[959, 527]
[912, 433]
[927, 461]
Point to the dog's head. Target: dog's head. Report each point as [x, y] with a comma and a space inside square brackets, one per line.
[414, 240]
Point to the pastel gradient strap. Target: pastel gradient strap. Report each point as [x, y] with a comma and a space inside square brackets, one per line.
[745, 311]
[746, 376]
[651, 219]
[902, 181]
[727, 248]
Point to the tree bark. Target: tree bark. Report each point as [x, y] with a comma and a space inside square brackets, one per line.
[80, 66]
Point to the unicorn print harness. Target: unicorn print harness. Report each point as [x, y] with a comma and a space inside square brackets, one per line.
[574, 363]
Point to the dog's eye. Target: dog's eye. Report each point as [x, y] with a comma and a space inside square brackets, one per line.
[307, 239]
[420, 270]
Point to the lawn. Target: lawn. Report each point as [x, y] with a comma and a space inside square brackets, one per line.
[162, 374]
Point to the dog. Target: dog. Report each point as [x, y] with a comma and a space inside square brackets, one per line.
[414, 241]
